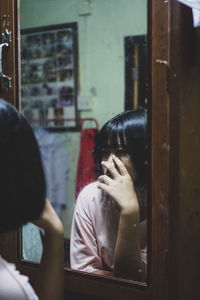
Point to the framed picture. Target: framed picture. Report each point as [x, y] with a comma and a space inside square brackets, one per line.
[49, 57]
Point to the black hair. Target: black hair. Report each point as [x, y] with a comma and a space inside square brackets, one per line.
[22, 181]
[130, 128]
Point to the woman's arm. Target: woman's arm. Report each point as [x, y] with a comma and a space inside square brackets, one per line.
[127, 258]
[84, 254]
[51, 274]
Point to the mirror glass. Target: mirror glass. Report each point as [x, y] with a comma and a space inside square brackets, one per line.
[83, 62]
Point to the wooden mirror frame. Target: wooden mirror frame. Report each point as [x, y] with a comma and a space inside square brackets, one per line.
[174, 220]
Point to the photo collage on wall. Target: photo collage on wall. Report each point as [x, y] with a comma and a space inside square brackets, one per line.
[49, 75]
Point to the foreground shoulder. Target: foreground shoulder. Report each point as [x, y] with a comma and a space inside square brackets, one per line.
[13, 285]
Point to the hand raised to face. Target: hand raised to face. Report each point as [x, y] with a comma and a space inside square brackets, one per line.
[119, 186]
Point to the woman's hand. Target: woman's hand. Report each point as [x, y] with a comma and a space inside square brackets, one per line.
[49, 220]
[127, 259]
[120, 186]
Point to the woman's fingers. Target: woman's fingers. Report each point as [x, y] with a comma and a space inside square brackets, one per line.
[103, 186]
[121, 167]
[105, 179]
[110, 166]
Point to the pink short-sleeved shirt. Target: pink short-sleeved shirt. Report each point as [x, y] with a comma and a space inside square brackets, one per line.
[13, 285]
[94, 231]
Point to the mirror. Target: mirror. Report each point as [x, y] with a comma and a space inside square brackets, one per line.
[83, 62]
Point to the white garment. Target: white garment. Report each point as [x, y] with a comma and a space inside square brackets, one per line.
[53, 150]
[13, 285]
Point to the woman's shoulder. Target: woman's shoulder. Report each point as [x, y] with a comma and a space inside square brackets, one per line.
[13, 283]
[90, 191]
[90, 196]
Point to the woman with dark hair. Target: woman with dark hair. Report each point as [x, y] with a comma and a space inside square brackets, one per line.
[108, 231]
[22, 200]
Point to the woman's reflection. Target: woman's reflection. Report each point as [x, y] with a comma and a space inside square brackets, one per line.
[108, 231]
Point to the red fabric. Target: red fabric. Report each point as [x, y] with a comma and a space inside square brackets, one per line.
[85, 168]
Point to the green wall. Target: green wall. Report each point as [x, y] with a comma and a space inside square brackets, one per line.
[101, 57]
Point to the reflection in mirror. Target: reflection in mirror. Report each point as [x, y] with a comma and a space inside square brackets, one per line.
[84, 62]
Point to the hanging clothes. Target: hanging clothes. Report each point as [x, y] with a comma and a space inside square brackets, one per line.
[55, 162]
[85, 168]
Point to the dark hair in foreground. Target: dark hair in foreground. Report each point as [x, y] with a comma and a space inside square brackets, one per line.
[130, 128]
[22, 192]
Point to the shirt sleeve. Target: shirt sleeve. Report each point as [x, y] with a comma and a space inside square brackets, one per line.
[84, 254]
